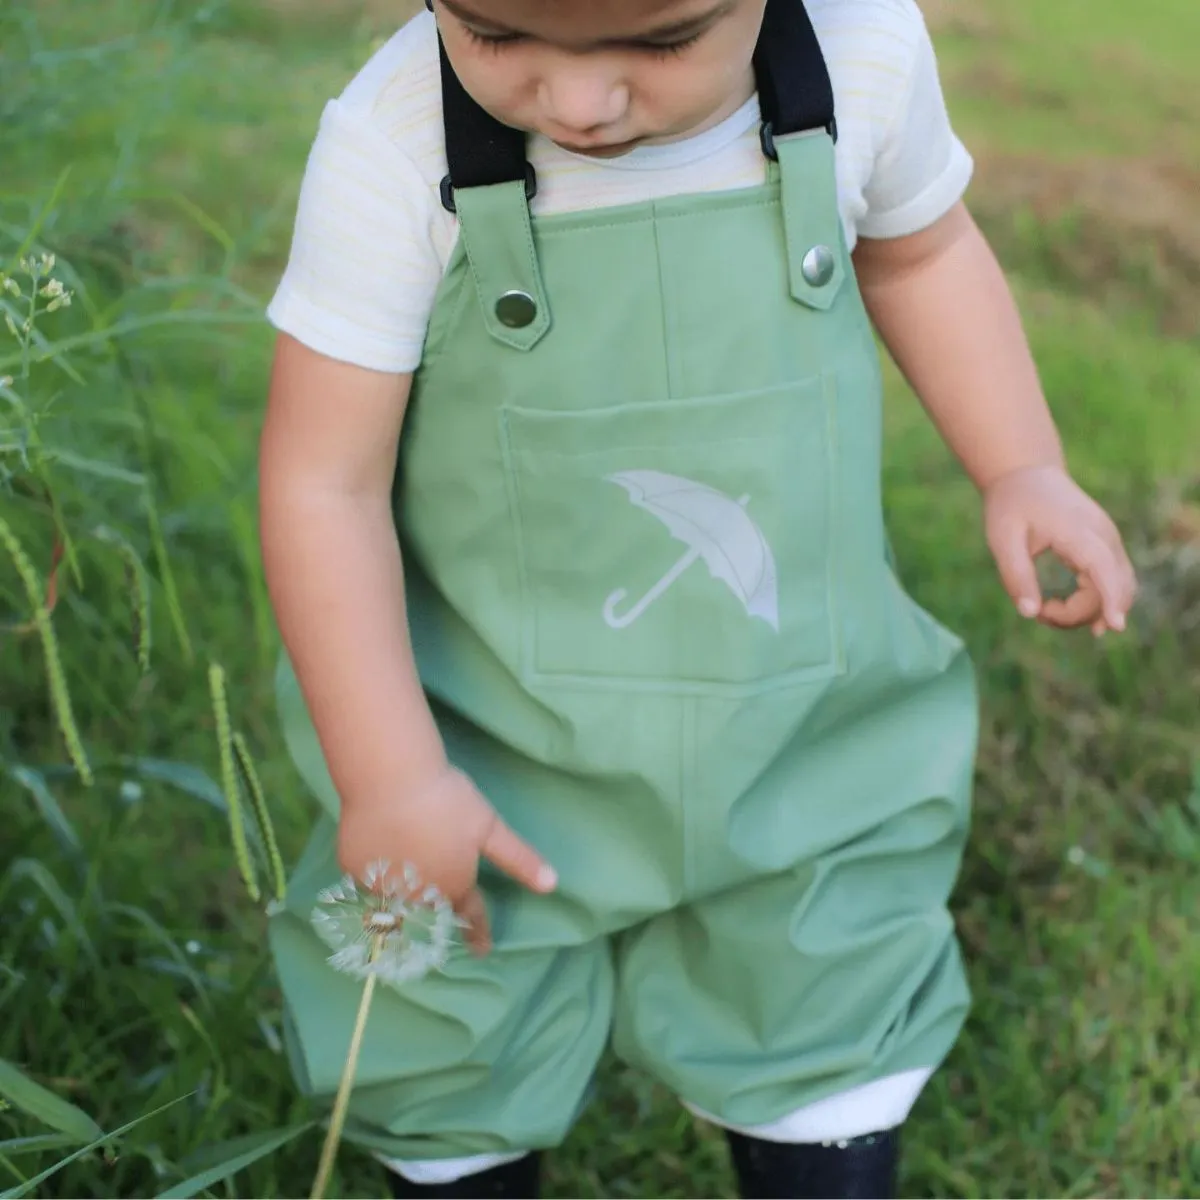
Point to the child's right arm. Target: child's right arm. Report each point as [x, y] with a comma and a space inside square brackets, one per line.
[335, 574]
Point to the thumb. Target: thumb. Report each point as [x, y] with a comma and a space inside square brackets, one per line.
[1010, 548]
[517, 858]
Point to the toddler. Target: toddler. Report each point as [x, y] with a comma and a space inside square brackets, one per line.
[571, 517]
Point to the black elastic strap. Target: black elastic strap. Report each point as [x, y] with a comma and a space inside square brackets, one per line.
[795, 92]
[794, 89]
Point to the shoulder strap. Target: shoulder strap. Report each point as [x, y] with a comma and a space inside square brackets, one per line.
[795, 94]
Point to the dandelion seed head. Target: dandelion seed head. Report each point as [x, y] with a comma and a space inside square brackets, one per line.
[391, 927]
[1076, 856]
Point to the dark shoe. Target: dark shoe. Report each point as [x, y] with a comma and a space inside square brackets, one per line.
[862, 1168]
[520, 1180]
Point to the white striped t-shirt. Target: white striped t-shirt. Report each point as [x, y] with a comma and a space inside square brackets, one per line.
[372, 240]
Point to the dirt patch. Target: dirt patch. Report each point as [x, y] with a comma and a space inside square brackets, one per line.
[1167, 553]
[1128, 227]
[1004, 87]
[966, 18]
[376, 12]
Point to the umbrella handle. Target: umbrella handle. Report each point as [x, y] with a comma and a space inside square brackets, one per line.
[610, 605]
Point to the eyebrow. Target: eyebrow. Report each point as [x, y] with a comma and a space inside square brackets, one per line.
[671, 30]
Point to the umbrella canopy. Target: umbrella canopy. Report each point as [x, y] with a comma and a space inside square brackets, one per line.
[713, 527]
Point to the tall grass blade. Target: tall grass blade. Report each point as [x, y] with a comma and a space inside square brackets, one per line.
[242, 1152]
[48, 807]
[25, 1188]
[61, 1115]
[182, 776]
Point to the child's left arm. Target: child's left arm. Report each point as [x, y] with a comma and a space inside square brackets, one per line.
[944, 310]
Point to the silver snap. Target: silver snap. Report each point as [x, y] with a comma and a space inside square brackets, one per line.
[516, 309]
[817, 266]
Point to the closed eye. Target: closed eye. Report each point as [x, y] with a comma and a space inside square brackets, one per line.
[497, 41]
[493, 41]
[668, 48]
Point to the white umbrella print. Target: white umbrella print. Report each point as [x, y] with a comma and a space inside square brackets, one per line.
[714, 528]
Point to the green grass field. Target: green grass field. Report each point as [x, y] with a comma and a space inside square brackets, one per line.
[132, 964]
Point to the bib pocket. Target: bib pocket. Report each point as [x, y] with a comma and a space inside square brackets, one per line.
[679, 546]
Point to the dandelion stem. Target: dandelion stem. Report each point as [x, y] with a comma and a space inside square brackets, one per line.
[342, 1103]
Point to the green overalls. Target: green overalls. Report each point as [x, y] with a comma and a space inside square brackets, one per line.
[655, 614]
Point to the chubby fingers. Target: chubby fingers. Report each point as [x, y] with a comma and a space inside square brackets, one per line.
[1009, 543]
[517, 858]
[1107, 584]
[477, 932]
[1084, 606]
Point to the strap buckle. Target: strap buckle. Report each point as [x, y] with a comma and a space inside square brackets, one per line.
[447, 189]
[766, 135]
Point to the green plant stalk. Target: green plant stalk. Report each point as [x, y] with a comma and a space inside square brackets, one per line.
[229, 781]
[258, 803]
[167, 576]
[139, 592]
[26, 334]
[60, 695]
[139, 595]
[341, 1104]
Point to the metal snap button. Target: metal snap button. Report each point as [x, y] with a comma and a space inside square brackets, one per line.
[818, 266]
[516, 309]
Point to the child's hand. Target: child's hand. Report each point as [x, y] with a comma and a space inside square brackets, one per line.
[442, 829]
[1037, 509]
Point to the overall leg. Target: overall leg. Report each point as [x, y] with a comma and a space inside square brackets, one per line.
[808, 1044]
[803, 1000]
[803, 1006]
[464, 1075]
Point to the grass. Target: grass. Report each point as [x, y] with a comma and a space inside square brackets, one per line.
[132, 968]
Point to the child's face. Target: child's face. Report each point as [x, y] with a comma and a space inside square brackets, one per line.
[601, 76]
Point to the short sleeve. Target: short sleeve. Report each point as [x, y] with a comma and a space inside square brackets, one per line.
[363, 270]
[922, 169]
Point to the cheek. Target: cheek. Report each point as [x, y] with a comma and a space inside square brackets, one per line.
[683, 90]
[498, 81]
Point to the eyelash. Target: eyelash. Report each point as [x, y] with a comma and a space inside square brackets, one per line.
[496, 44]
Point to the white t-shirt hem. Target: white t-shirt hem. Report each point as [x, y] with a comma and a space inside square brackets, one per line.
[858, 1112]
[929, 207]
[337, 337]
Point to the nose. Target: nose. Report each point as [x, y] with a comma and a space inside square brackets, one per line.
[582, 97]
